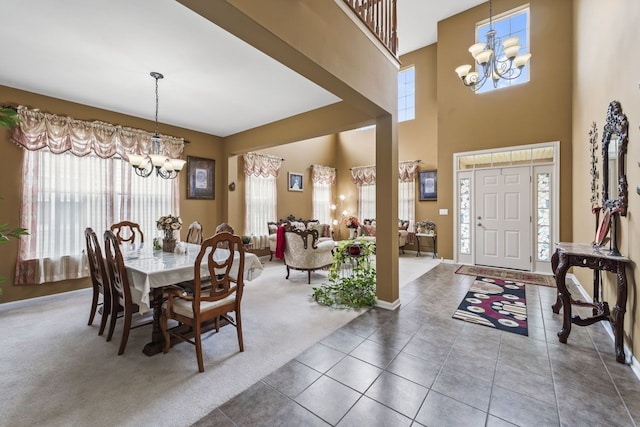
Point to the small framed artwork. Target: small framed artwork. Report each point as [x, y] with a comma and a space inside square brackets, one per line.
[201, 178]
[295, 181]
[429, 185]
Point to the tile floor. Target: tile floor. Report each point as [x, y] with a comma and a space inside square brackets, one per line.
[417, 366]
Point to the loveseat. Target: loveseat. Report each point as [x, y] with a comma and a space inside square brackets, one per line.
[367, 231]
[324, 230]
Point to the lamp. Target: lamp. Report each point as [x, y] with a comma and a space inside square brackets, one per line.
[344, 213]
[165, 167]
[498, 61]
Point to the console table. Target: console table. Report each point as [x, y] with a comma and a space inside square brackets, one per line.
[597, 259]
[431, 236]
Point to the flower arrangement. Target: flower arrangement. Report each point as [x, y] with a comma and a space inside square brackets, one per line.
[169, 224]
[351, 222]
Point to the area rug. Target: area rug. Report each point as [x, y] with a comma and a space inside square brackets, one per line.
[513, 275]
[496, 303]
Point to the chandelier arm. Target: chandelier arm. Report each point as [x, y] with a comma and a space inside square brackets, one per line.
[144, 172]
[165, 174]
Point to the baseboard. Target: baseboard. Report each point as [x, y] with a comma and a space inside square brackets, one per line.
[29, 302]
[388, 305]
[633, 363]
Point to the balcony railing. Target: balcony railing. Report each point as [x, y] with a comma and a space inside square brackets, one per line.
[380, 17]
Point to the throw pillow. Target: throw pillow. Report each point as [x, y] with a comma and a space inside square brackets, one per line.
[319, 228]
[298, 225]
[369, 230]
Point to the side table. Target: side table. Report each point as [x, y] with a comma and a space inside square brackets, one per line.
[434, 237]
[585, 255]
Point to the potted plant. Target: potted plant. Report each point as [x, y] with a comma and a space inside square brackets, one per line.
[352, 277]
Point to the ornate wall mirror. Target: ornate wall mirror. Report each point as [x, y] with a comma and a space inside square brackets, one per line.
[615, 138]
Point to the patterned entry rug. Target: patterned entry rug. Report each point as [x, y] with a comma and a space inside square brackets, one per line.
[496, 303]
[514, 275]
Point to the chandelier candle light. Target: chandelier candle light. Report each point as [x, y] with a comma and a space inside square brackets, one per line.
[169, 224]
[165, 167]
[498, 61]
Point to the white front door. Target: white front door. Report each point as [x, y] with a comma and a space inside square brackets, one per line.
[503, 218]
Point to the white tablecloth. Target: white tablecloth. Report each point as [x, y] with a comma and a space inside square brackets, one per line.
[148, 269]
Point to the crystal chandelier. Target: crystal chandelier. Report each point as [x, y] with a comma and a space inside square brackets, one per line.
[497, 61]
[164, 166]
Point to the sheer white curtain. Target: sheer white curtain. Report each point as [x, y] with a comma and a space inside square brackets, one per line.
[366, 201]
[407, 173]
[63, 194]
[322, 202]
[407, 202]
[260, 207]
[323, 178]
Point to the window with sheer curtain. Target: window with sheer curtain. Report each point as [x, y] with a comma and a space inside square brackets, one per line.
[260, 196]
[67, 193]
[323, 178]
[73, 177]
[365, 178]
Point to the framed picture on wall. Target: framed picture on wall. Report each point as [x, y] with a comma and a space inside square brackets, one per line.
[429, 185]
[295, 181]
[200, 178]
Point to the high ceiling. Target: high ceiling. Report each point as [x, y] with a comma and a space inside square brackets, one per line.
[100, 53]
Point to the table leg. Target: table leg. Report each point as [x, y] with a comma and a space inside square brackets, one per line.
[618, 312]
[435, 247]
[554, 268]
[418, 243]
[157, 340]
[565, 297]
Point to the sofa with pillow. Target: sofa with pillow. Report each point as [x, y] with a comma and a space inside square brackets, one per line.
[367, 231]
[324, 230]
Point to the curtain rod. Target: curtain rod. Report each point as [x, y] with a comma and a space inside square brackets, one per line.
[372, 166]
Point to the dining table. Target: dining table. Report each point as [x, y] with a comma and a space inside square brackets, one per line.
[150, 271]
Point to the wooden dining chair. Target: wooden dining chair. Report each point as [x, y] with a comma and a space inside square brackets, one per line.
[127, 232]
[208, 305]
[99, 279]
[194, 235]
[120, 290]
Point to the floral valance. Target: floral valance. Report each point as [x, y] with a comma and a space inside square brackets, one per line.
[261, 164]
[60, 134]
[366, 175]
[323, 174]
[363, 175]
[408, 170]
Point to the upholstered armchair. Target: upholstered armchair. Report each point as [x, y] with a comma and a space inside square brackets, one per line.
[304, 252]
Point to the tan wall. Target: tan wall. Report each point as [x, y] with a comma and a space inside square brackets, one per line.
[538, 111]
[606, 69]
[206, 211]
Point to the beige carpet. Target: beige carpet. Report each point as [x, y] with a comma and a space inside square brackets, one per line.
[57, 371]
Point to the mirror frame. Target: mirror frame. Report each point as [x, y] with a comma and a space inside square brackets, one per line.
[616, 124]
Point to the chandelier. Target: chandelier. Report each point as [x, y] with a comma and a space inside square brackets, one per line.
[164, 166]
[497, 61]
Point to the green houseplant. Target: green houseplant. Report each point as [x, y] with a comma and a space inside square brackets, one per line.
[355, 289]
